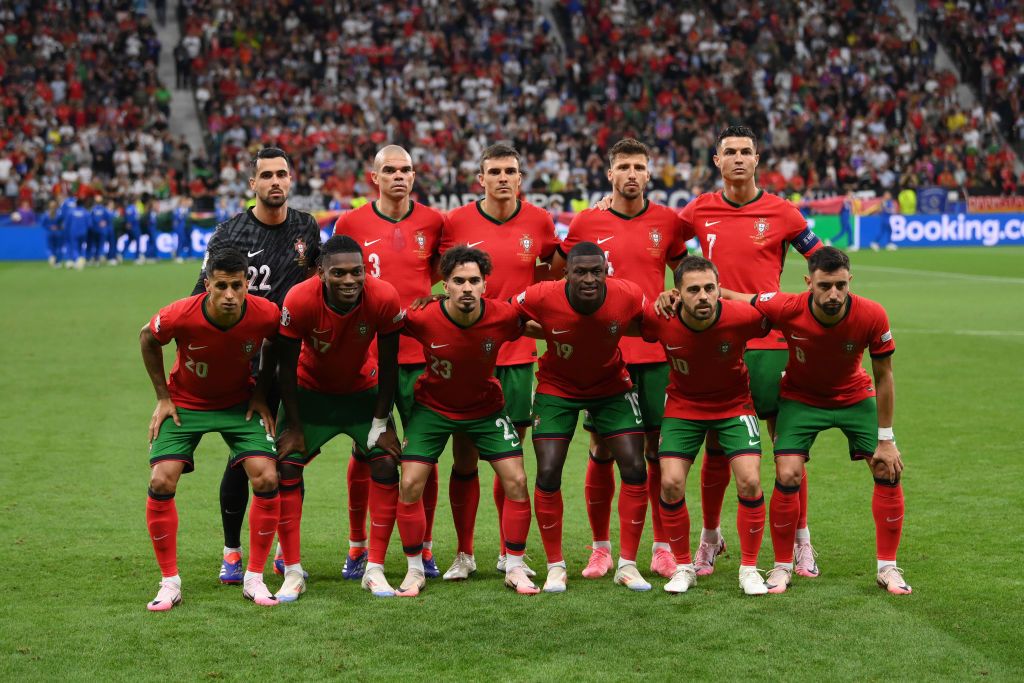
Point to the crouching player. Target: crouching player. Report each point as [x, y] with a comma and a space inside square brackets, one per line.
[582, 320]
[709, 392]
[458, 394]
[330, 384]
[825, 386]
[210, 389]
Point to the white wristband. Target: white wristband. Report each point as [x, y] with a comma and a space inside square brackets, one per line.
[885, 434]
[377, 427]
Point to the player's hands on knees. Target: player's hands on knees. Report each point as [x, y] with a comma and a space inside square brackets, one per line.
[290, 441]
[887, 460]
[389, 443]
[259, 406]
[164, 409]
[604, 203]
[667, 303]
[424, 301]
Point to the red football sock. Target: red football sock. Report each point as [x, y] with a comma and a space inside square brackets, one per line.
[549, 517]
[785, 509]
[750, 527]
[264, 514]
[499, 502]
[430, 503]
[516, 525]
[632, 515]
[411, 526]
[802, 520]
[383, 508]
[464, 496]
[289, 526]
[599, 490]
[358, 496]
[887, 507]
[714, 480]
[676, 519]
[654, 496]
[162, 522]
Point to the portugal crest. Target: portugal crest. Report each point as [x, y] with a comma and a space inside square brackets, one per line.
[760, 230]
[655, 237]
[364, 328]
[526, 242]
[613, 328]
[488, 346]
[300, 251]
[249, 347]
[849, 346]
[724, 347]
[421, 240]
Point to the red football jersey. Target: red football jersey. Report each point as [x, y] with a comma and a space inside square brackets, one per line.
[459, 380]
[335, 356]
[708, 380]
[398, 252]
[824, 367]
[583, 359]
[638, 248]
[212, 369]
[749, 242]
[514, 247]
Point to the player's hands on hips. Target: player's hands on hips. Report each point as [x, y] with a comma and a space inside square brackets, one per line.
[164, 409]
[290, 441]
[259, 406]
[604, 203]
[888, 457]
[667, 303]
[424, 301]
[389, 443]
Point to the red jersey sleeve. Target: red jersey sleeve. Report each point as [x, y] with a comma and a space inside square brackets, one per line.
[550, 242]
[446, 235]
[681, 232]
[882, 343]
[574, 236]
[294, 318]
[389, 307]
[525, 303]
[163, 325]
[771, 304]
[650, 324]
[755, 325]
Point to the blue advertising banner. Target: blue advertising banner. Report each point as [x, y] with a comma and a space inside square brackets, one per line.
[943, 230]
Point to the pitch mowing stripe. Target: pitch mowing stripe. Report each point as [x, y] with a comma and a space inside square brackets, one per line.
[944, 275]
[967, 333]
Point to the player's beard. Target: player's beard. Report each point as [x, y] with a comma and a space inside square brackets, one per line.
[274, 201]
[698, 312]
[631, 192]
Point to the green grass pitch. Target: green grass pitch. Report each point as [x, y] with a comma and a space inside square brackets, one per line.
[77, 567]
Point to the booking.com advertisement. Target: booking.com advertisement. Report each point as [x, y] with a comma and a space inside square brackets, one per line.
[943, 230]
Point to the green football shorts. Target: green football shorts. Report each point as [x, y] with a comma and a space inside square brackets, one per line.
[517, 386]
[555, 417]
[798, 425]
[407, 376]
[325, 416]
[245, 439]
[683, 438]
[765, 367]
[650, 381]
[494, 436]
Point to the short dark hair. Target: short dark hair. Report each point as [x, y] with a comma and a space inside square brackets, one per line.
[736, 132]
[501, 151]
[271, 153]
[459, 254]
[340, 244]
[627, 147]
[584, 249]
[693, 264]
[226, 260]
[828, 260]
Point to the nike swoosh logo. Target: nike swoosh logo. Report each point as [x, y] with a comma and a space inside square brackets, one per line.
[781, 526]
[437, 346]
[322, 331]
[753, 442]
[549, 526]
[672, 348]
[255, 253]
[264, 533]
[605, 239]
[677, 538]
[800, 338]
[560, 331]
[367, 243]
[754, 531]
[473, 244]
[888, 519]
[639, 421]
[708, 224]
[195, 348]
[160, 538]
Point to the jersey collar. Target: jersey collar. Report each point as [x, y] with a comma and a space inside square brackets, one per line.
[245, 307]
[846, 313]
[760, 193]
[480, 208]
[483, 311]
[389, 219]
[625, 217]
[327, 302]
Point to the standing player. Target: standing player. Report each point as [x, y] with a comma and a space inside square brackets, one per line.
[180, 222]
[825, 386]
[218, 334]
[709, 393]
[459, 394]
[516, 235]
[747, 233]
[583, 321]
[639, 240]
[133, 226]
[400, 238]
[282, 246]
[330, 387]
[77, 220]
[51, 223]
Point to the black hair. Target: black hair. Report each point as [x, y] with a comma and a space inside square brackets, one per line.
[459, 254]
[736, 132]
[584, 249]
[226, 260]
[627, 147]
[693, 264]
[500, 151]
[828, 260]
[340, 244]
[271, 153]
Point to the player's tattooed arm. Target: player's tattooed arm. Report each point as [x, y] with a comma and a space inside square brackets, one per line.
[887, 462]
[153, 358]
[382, 432]
[258, 401]
[291, 439]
